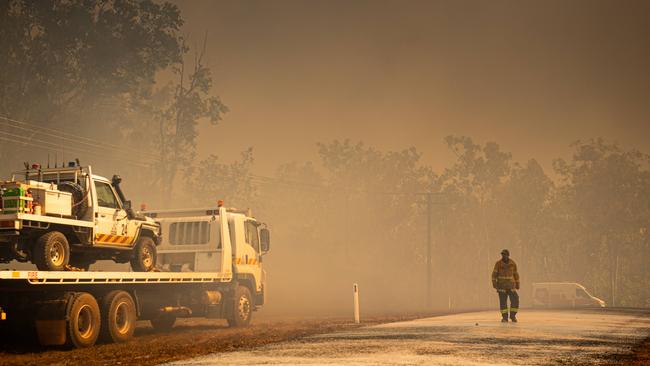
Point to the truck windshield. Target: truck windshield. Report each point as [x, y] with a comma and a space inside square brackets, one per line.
[105, 196]
[252, 238]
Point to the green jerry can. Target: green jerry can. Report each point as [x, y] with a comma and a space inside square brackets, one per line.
[14, 200]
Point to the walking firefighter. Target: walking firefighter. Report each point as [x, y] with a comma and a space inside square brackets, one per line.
[505, 279]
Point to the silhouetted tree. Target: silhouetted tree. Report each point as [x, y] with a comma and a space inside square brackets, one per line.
[608, 194]
[474, 224]
[61, 56]
[212, 180]
[181, 105]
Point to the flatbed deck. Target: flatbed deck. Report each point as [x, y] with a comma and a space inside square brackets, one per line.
[96, 277]
[46, 219]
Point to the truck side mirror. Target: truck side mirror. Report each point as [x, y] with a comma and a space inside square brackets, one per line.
[265, 239]
[127, 205]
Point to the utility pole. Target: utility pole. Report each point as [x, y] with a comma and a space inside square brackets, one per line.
[429, 266]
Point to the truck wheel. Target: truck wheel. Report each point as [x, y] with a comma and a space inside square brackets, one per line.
[118, 317]
[51, 252]
[83, 323]
[163, 322]
[242, 308]
[144, 255]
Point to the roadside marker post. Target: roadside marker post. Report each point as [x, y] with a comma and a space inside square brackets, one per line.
[355, 289]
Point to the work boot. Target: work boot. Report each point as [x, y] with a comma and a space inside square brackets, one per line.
[504, 319]
[513, 317]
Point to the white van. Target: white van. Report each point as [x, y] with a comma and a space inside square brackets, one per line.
[563, 295]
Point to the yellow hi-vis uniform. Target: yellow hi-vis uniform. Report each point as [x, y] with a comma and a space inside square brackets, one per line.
[505, 279]
[505, 275]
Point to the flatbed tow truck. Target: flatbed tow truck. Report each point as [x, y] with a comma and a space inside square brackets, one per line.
[212, 267]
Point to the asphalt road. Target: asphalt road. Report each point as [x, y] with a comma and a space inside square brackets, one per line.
[541, 337]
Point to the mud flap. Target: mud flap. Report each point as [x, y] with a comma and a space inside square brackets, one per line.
[51, 332]
[51, 320]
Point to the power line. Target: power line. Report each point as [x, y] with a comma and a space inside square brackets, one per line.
[69, 136]
[284, 181]
[64, 135]
[16, 139]
[94, 147]
[58, 146]
[90, 146]
[271, 180]
[72, 140]
[57, 150]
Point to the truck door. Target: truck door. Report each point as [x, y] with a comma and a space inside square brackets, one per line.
[244, 238]
[110, 218]
[251, 252]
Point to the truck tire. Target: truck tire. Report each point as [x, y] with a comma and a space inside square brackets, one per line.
[118, 317]
[163, 322]
[79, 201]
[144, 255]
[241, 310]
[83, 321]
[51, 252]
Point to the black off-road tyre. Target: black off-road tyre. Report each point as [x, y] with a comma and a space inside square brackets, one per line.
[51, 252]
[84, 321]
[163, 322]
[241, 308]
[144, 255]
[118, 317]
[79, 199]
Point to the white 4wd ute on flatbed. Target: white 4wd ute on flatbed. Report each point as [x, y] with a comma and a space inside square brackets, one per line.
[65, 217]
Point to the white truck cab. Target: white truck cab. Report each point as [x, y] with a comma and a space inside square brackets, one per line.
[192, 242]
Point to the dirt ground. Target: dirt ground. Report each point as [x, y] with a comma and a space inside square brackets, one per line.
[195, 337]
[640, 355]
[189, 338]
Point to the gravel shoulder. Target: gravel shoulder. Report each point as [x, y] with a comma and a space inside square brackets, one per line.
[542, 337]
[189, 338]
[640, 355]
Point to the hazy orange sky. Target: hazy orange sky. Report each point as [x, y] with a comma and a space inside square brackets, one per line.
[531, 75]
